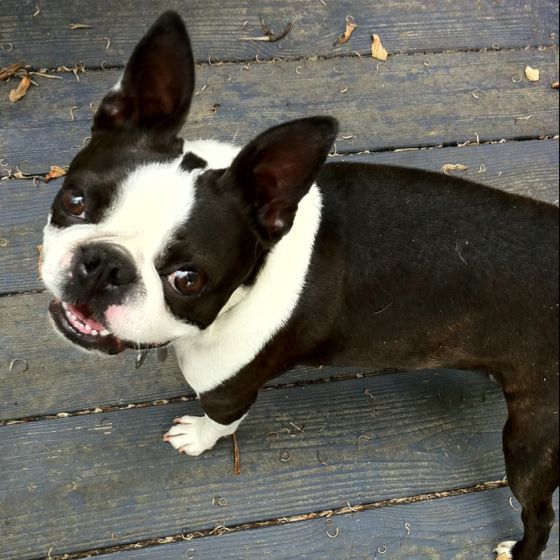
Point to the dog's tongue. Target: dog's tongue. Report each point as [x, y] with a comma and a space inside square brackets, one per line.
[83, 314]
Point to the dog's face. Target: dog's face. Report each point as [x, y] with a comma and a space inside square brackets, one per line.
[149, 238]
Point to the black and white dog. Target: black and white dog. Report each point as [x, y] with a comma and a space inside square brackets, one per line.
[251, 261]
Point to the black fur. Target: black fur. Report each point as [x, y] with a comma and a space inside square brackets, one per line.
[410, 269]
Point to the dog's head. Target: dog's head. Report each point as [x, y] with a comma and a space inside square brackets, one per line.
[149, 236]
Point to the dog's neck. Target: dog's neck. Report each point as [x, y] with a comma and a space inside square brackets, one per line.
[254, 314]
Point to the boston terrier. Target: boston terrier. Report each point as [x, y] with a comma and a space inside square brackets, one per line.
[252, 260]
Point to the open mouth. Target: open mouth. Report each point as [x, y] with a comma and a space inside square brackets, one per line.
[78, 325]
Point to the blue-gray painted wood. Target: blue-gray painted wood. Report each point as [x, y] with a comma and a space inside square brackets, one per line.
[85, 482]
[46, 40]
[457, 528]
[56, 376]
[402, 103]
[528, 168]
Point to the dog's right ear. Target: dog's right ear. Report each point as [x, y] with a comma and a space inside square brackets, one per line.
[156, 89]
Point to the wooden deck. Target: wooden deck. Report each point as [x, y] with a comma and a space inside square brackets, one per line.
[404, 466]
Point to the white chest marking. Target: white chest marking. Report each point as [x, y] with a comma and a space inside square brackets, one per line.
[254, 315]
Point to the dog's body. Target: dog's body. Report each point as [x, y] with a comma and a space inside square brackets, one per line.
[251, 261]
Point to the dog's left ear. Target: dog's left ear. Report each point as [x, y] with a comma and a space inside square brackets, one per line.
[157, 86]
[277, 169]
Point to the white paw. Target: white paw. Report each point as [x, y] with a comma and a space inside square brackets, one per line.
[503, 550]
[195, 434]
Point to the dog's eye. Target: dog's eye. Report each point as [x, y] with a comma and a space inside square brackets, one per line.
[187, 282]
[73, 202]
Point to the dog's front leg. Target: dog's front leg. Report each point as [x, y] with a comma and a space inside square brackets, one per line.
[225, 408]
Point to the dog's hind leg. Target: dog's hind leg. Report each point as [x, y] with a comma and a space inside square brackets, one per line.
[531, 453]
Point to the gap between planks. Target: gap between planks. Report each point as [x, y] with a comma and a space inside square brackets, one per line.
[325, 514]
[188, 398]
[476, 141]
[81, 68]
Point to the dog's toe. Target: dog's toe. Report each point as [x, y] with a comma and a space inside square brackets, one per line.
[504, 550]
[191, 435]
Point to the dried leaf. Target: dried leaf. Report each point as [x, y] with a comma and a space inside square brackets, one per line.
[9, 71]
[555, 85]
[378, 51]
[55, 172]
[74, 26]
[503, 556]
[448, 167]
[19, 92]
[350, 27]
[532, 74]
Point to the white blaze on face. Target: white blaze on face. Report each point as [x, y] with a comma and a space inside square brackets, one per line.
[149, 205]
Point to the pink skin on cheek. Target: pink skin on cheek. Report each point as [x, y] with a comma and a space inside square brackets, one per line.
[115, 314]
[66, 260]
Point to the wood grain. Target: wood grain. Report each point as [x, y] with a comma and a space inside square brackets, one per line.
[56, 377]
[46, 39]
[456, 528]
[411, 101]
[107, 478]
[528, 168]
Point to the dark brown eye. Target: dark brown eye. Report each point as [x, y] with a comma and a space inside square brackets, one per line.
[187, 282]
[73, 202]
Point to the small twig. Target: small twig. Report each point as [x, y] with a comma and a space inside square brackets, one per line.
[236, 456]
[269, 35]
[10, 71]
[45, 75]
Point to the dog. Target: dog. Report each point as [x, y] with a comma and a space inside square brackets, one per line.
[252, 260]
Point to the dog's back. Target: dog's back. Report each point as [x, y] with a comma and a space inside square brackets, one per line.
[451, 273]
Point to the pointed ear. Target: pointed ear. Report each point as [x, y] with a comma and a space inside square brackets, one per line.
[277, 169]
[157, 86]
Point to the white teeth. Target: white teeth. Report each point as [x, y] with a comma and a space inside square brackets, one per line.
[104, 332]
[94, 332]
[72, 316]
[87, 327]
[65, 305]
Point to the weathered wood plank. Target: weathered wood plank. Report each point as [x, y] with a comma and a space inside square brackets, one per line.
[528, 168]
[55, 377]
[402, 103]
[456, 528]
[108, 478]
[46, 39]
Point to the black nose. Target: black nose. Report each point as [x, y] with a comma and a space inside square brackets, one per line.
[103, 269]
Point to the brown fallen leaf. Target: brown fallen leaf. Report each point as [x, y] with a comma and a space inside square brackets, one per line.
[532, 74]
[55, 172]
[9, 71]
[378, 51]
[503, 556]
[350, 27]
[555, 85]
[448, 167]
[19, 92]
[74, 26]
